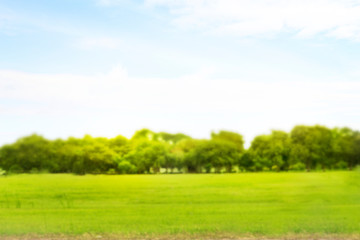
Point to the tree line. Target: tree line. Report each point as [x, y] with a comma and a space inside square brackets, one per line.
[304, 148]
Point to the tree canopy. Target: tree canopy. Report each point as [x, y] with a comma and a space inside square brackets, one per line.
[303, 148]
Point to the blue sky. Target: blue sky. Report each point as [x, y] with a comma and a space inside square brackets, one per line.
[109, 67]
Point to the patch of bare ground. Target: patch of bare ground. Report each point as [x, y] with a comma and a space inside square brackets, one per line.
[183, 236]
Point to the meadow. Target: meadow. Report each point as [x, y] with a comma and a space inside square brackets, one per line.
[245, 204]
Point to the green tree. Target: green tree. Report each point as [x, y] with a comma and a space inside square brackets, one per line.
[218, 154]
[147, 155]
[171, 138]
[27, 153]
[120, 145]
[316, 145]
[232, 137]
[144, 134]
[345, 148]
[270, 152]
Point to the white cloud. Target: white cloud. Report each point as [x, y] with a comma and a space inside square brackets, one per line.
[110, 2]
[335, 18]
[98, 42]
[7, 20]
[195, 104]
[3, 19]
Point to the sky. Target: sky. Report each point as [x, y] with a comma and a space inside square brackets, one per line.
[110, 67]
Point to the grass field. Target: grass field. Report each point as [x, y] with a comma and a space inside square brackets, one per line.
[260, 204]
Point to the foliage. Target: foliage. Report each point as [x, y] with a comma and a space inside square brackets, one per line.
[231, 137]
[125, 167]
[305, 147]
[271, 151]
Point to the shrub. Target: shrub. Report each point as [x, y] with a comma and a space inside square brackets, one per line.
[208, 167]
[298, 167]
[111, 171]
[341, 165]
[125, 167]
[15, 169]
[275, 168]
[96, 171]
[78, 168]
[265, 169]
[34, 170]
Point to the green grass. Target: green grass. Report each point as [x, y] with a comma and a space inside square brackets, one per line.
[266, 204]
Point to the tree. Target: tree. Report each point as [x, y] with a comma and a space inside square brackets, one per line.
[345, 147]
[270, 152]
[144, 134]
[217, 154]
[120, 145]
[184, 151]
[356, 160]
[27, 153]
[316, 145]
[87, 155]
[232, 137]
[306, 147]
[171, 138]
[147, 155]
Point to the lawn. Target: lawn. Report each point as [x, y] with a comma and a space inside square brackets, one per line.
[249, 204]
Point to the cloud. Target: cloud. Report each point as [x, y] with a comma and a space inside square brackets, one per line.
[98, 42]
[7, 20]
[41, 89]
[16, 22]
[114, 102]
[193, 93]
[306, 18]
[3, 19]
[110, 2]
